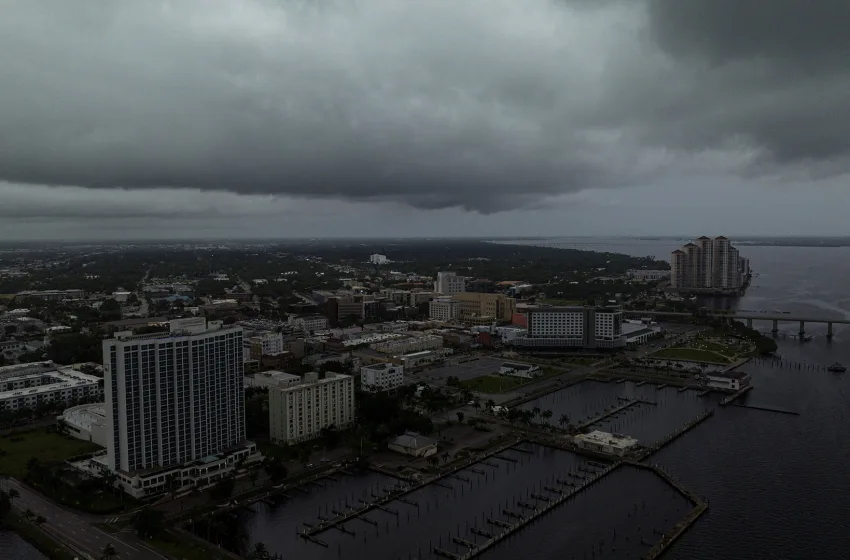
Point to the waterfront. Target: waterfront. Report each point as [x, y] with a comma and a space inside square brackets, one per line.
[13, 546]
[776, 483]
[659, 412]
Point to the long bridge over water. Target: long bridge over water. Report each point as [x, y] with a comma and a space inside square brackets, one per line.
[775, 318]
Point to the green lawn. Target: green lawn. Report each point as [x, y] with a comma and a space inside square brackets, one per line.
[690, 354]
[493, 383]
[48, 447]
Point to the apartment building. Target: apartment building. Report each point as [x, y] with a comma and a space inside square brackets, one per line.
[449, 283]
[29, 385]
[174, 397]
[381, 377]
[708, 264]
[300, 412]
[443, 309]
[477, 308]
[378, 259]
[576, 327]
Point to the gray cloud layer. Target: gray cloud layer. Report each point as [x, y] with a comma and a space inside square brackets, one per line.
[480, 104]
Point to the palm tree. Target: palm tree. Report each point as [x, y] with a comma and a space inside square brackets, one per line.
[109, 552]
[546, 415]
[40, 520]
[259, 552]
[564, 420]
[29, 514]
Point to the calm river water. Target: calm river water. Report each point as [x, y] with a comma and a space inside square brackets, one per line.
[778, 484]
[13, 547]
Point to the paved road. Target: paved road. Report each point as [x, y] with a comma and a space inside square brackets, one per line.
[77, 530]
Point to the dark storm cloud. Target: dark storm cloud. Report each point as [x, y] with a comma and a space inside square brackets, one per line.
[480, 104]
[773, 74]
[801, 36]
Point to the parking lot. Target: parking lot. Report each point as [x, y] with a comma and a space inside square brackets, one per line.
[464, 371]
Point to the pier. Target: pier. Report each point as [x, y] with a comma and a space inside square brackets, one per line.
[766, 408]
[739, 393]
[668, 538]
[511, 528]
[679, 433]
[398, 493]
[611, 412]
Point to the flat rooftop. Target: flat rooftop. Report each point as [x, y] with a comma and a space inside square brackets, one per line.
[61, 377]
[606, 438]
[729, 374]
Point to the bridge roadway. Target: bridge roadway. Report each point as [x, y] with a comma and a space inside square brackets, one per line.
[750, 317]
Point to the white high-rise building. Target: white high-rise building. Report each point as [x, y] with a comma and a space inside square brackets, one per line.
[449, 283]
[300, 412]
[378, 259]
[173, 397]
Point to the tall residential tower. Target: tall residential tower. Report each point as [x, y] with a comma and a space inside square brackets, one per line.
[708, 264]
[174, 397]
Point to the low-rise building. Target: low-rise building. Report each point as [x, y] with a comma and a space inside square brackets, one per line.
[53, 295]
[643, 275]
[514, 369]
[272, 378]
[638, 332]
[381, 377]
[195, 474]
[607, 443]
[418, 359]
[87, 422]
[310, 323]
[266, 344]
[728, 380]
[413, 444]
[28, 385]
[300, 412]
[408, 345]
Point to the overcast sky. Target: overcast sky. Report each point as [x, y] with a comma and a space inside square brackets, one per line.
[280, 118]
